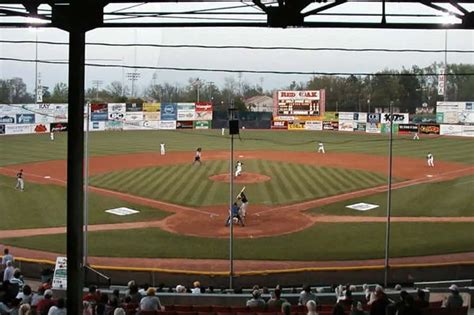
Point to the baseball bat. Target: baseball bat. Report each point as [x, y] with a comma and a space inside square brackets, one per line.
[243, 189]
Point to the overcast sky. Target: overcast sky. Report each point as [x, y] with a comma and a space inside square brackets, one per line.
[232, 59]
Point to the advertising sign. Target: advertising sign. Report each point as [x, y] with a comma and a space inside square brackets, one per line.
[58, 127]
[373, 118]
[307, 103]
[451, 130]
[186, 111]
[184, 125]
[202, 124]
[313, 125]
[133, 125]
[373, 128]
[116, 111]
[468, 131]
[151, 116]
[203, 111]
[151, 107]
[397, 118]
[346, 116]
[133, 107]
[150, 124]
[279, 124]
[169, 111]
[346, 125]
[296, 125]
[360, 117]
[60, 274]
[42, 118]
[25, 118]
[133, 116]
[360, 126]
[40, 128]
[330, 125]
[407, 128]
[167, 124]
[99, 116]
[7, 119]
[114, 125]
[430, 129]
[2, 129]
[99, 108]
[17, 129]
[97, 126]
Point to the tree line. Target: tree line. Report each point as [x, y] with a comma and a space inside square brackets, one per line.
[405, 89]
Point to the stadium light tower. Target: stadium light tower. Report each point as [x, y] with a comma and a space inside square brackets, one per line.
[133, 76]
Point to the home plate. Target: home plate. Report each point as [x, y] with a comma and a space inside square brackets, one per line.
[429, 175]
[47, 177]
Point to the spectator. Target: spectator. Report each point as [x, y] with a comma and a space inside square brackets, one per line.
[119, 311]
[380, 302]
[7, 257]
[15, 307]
[408, 307]
[357, 309]
[103, 306]
[26, 296]
[45, 304]
[306, 295]
[151, 302]
[143, 289]
[286, 308]
[134, 294]
[25, 309]
[420, 300]
[59, 308]
[367, 292]
[454, 300]
[4, 308]
[256, 300]
[276, 301]
[128, 306]
[180, 288]
[37, 296]
[9, 271]
[17, 278]
[311, 306]
[114, 300]
[197, 288]
[91, 296]
[398, 287]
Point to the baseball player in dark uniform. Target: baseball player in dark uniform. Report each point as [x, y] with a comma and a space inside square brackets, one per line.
[235, 213]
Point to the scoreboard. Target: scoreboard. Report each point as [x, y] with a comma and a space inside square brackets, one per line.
[301, 103]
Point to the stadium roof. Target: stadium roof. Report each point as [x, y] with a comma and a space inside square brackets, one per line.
[401, 14]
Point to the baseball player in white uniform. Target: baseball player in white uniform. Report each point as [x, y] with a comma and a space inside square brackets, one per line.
[416, 136]
[430, 159]
[238, 168]
[162, 148]
[223, 131]
[51, 136]
[321, 148]
[20, 184]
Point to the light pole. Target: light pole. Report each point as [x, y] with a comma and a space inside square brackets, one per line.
[133, 76]
[445, 98]
[389, 198]
[97, 84]
[233, 129]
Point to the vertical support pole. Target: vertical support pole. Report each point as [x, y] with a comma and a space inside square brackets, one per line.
[75, 172]
[231, 201]
[86, 186]
[445, 92]
[389, 199]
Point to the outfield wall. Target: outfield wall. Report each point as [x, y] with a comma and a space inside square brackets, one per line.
[43, 118]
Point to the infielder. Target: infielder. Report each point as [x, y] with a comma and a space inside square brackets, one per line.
[416, 137]
[238, 168]
[20, 184]
[51, 136]
[430, 159]
[162, 148]
[197, 156]
[321, 148]
[223, 131]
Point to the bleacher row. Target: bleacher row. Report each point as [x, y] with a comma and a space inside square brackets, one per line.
[434, 309]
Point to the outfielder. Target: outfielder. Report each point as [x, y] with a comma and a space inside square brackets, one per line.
[238, 168]
[51, 136]
[321, 148]
[416, 137]
[197, 156]
[223, 131]
[162, 148]
[20, 184]
[430, 159]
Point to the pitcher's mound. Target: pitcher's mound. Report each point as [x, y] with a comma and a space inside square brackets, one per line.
[244, 178]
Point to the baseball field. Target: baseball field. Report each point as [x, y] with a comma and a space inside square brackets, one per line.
[298, 198]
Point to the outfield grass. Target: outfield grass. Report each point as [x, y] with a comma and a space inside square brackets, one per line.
[30, 148]
[189, 185]
[443, 199]
[45, 206]
[330, 241]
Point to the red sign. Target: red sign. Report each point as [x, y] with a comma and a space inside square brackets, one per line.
[40, 128]
[203, 107]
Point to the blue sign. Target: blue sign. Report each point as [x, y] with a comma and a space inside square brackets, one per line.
[169, 111]
[25, 118]
[7, 119]
[99, 116]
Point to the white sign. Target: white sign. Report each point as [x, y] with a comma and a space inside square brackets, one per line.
[313, 125]
[167, 124]
[18, 129]
[347, 125]
[60, 274]
[134, 116]
[346, 116]
[122, 211]
[362, 206]
[397, 118]
[310, 95]
[441, 82]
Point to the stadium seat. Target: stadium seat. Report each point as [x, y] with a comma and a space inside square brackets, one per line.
[218, 308]
[239, 309]
[183, 308]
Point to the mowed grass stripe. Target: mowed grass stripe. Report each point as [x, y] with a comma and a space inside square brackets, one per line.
[329, 184]
[184, 176]
[159, 183]
[162, 183]
[190, 191]
[201, 192]
[336, 176]
[265, 190]
[283, 189]
[170, 184]
[140, 183]
[296, 187]
[303, 179]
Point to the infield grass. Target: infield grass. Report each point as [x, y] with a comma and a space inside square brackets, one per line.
[453, 198]
[45, 206]
[190, 185]
[38, 147]
[329, 241]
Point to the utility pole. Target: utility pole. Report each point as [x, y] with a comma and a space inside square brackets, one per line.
[97, 84]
